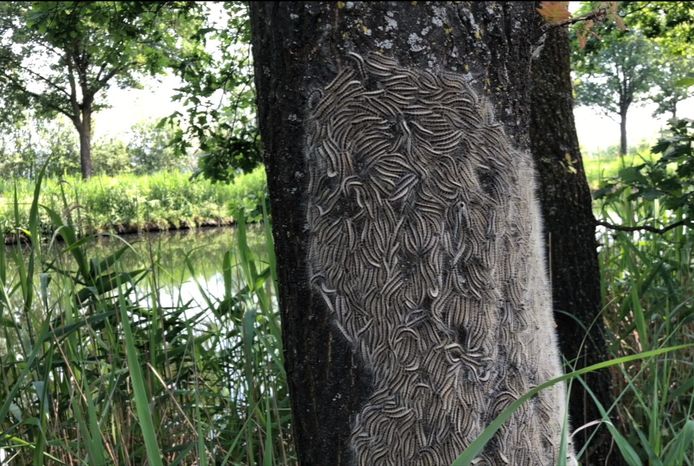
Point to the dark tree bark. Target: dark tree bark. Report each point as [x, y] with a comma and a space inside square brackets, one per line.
[482, 50]
[570, 238]
[84, 128]
[623, 146]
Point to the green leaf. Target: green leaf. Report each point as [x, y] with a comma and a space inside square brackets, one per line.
[477, 446]
[685, 82]
[142, 405]
[680, 445]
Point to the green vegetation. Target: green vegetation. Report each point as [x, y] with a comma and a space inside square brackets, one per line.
[625, 52]
[25, 149]
[604, 165]
[649, 304]
[129, 203]
[58, 57]
[647, 289]
[107, 357]
[98, 370]
[222, 128]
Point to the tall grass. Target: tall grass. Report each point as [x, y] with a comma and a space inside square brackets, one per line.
[648, 279]
[96, 371]
[127, 203]
[602, 165]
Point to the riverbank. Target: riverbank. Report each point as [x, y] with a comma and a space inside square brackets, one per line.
[130, 203]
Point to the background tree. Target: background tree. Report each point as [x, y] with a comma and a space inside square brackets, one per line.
[59, 57]
[151, 147]
[615, 70]
[669, 26]
[32, 143]
[670, 79]
[111, 157]
[642, 52]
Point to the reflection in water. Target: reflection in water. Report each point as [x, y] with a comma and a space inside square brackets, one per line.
[206, 339]
[188, 262]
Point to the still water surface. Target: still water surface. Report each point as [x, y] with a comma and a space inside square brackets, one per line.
[189, 262]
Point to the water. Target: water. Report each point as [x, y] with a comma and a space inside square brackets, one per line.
[189, 262]
[206, 351]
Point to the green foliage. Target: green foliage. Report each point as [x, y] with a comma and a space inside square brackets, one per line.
[151, 149]
[96, 370]
[671, 80]
[130, 203]
[50, 48]
[57, 57]
[219, 95]
[668, 177]
[646, 278]
[111, 157]
[36, 142]
[617, 67]
[649, 300]
[27, 147]
[645, 55]
[670, 25]
[603, 165]
[228, 158]
[615, 72]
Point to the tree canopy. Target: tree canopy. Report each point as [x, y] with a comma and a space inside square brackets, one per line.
[59, 57]
[219, 95]
[638, 52]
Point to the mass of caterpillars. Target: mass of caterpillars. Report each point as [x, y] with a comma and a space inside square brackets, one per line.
[425, 247]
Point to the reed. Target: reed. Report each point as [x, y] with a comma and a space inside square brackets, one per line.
[131, 203]
[97, 371]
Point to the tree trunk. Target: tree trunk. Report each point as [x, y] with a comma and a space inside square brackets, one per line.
[570, 238]
[623, 148]
[413, 294]
[85, 131]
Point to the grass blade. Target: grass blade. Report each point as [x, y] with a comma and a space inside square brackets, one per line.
[476, 447]
[141, 397]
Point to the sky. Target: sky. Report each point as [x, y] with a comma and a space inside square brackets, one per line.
[595, 131]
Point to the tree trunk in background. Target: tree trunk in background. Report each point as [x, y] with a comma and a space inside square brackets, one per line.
[623, 147]
[85, 131]
[413, 299]
[570, 237]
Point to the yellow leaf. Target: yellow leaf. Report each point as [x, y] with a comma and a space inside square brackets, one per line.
[570, 162]
[554, 12]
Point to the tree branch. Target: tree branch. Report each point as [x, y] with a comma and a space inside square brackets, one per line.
[40, 77]
[597, 14]
[649, 228]
[105, 79]
[73, 91]
[41, 99]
